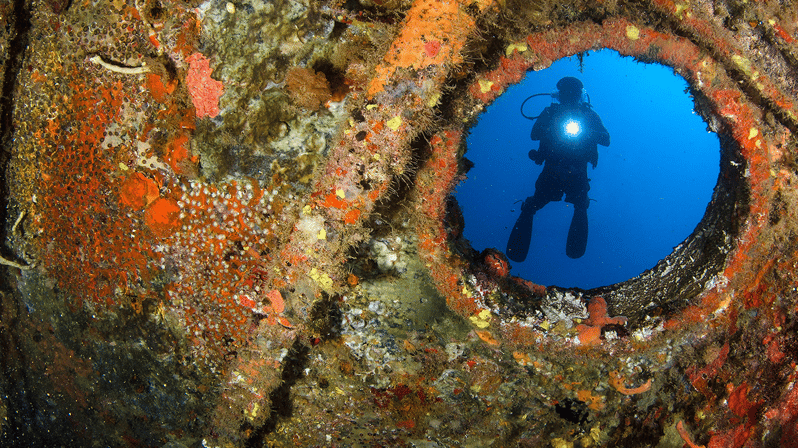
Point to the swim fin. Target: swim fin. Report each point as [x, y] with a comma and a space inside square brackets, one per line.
[577, 235]
[518, 244]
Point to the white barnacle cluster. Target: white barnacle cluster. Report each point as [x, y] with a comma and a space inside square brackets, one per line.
[311, 229]
[565, 307]
[222, 226]
[389, 254]
[219, 211]
[369, 340]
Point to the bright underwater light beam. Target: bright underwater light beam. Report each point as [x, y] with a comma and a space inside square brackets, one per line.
[572, 128]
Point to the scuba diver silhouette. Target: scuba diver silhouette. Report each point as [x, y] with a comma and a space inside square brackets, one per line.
[568, 132]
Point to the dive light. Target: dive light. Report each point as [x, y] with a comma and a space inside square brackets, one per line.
[571, 128]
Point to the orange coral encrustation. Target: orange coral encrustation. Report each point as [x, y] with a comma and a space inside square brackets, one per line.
[428, 24]
[205, 91]
[93, 241]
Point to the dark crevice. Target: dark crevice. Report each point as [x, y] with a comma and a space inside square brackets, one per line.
[326, 318]
[18, 429]
[16, 53]
[573, 411]
[335, 76]
[20, 21]
[282, 407]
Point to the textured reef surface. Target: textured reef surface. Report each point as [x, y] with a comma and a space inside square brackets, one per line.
[230, 224]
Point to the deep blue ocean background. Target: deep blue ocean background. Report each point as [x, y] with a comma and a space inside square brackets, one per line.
[649, 190]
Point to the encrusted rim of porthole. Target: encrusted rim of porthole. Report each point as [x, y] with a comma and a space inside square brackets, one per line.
[666, 287]
[480, 286]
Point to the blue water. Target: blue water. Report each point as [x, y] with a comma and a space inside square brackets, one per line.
[649, 190]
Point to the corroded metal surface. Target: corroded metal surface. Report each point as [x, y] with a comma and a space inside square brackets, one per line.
[229, 224]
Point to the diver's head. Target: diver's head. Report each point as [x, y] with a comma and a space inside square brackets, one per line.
[570, 90]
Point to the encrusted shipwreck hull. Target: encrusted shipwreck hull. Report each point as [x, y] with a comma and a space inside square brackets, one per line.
[230, 224]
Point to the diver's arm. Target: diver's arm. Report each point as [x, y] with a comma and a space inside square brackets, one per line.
[540, 130]
[536, 156]
[594, 157]
[599, 132]
[603, 137]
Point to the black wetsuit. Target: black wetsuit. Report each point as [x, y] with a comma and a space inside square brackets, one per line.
[564, 173]
[566, 157]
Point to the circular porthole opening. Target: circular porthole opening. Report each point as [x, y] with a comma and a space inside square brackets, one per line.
[648, 192]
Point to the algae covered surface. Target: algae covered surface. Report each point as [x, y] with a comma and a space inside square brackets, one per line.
[231, 224]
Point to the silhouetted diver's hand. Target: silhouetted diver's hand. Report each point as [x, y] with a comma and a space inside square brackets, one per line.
[536, 157]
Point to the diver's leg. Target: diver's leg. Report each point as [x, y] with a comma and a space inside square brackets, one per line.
[577, 233]
[520, 237]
